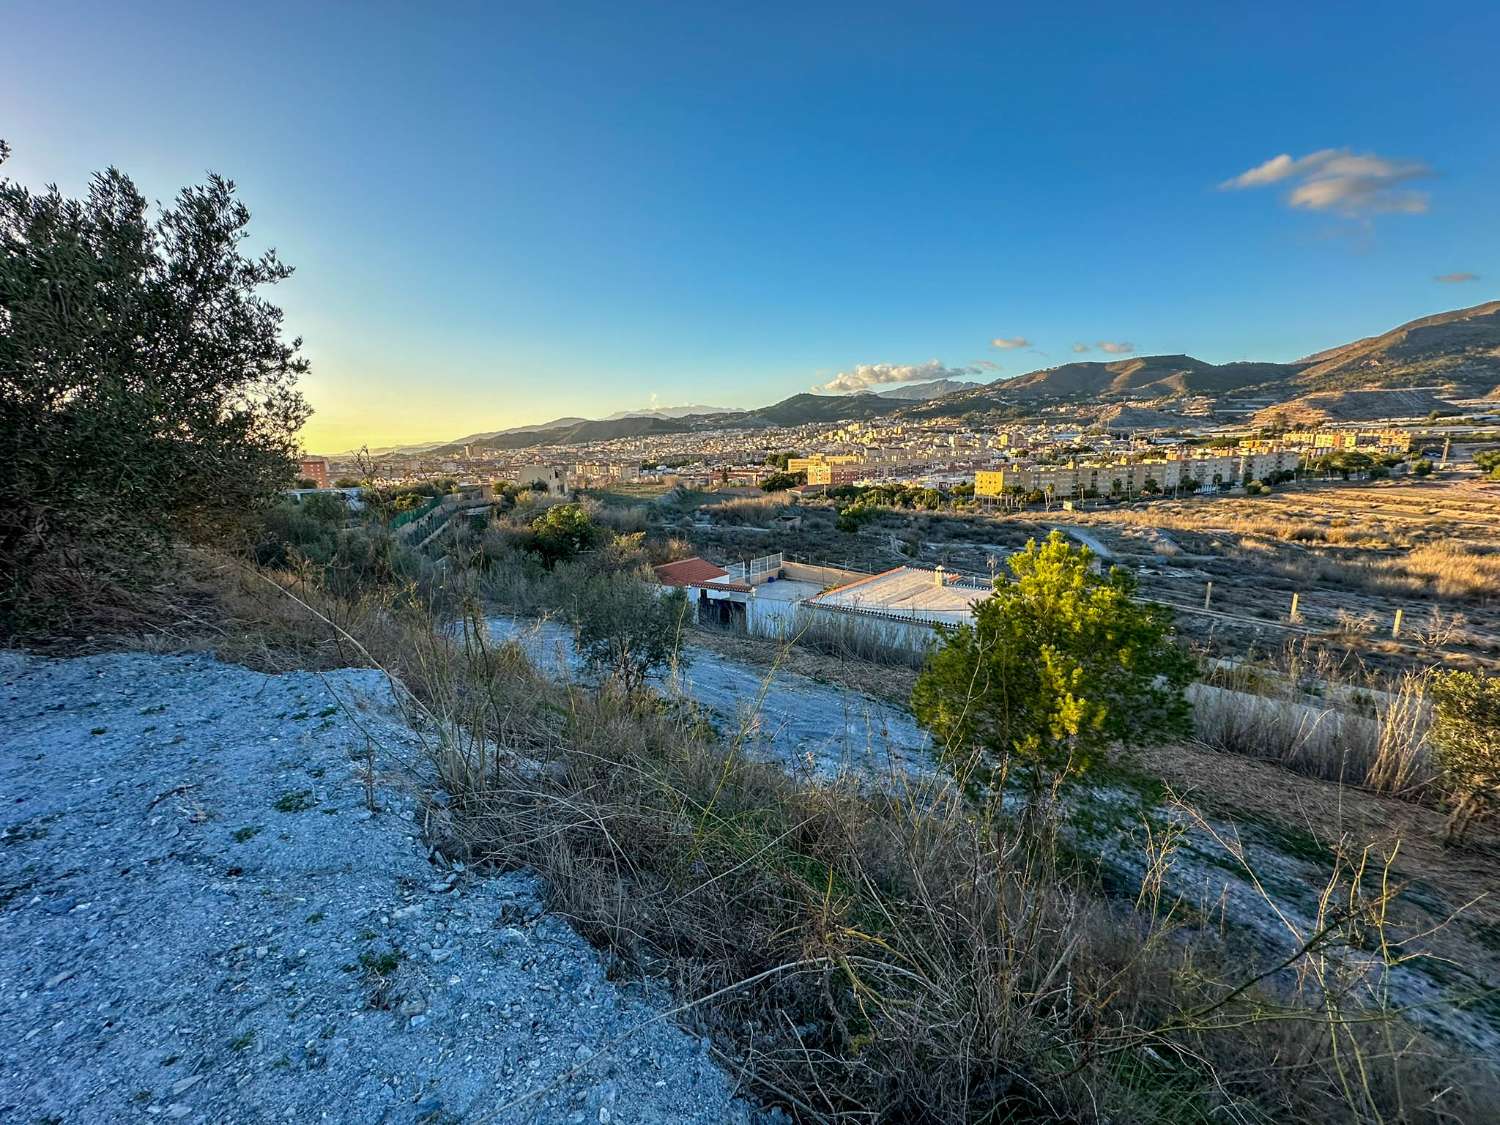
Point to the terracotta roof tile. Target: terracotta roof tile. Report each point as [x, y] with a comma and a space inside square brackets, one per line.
[688, 572]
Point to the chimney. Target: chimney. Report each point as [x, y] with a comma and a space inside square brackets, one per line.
[939, 576]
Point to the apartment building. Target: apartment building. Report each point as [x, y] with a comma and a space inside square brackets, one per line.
[314, 469]
[555, 478]
[1366, 441]
[748, 476]
[1130, 478]
[825, 472]
[804, 464]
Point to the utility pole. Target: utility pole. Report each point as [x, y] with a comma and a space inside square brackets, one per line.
[1447, 446]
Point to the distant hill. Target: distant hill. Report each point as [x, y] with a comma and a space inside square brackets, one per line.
[1461, 347]
[1147, 376]
[913, 392]
[803, 409]
[667, 412]
[1128, 419]
[1458, 350]
[575, 434]
[1352, 406]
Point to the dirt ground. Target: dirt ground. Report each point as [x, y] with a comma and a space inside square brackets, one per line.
[1451, 896]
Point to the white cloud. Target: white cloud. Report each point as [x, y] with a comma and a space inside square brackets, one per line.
[1115, 347]
[985, 365]
[1355, 185]
[1456, 278]
[1080, 347]
[1006, 345]
[866, 375]
[1277, 168]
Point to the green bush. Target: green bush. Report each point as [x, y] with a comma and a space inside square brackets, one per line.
[1060, 663]
[1465, 734]
[563, 531]
[147, 389]
[780, 482]
[627, 629]
[854, 517]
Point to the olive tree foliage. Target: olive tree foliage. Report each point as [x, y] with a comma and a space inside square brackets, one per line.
[1060, 664]
[1465, 734]
[628, 629]
[146, 388]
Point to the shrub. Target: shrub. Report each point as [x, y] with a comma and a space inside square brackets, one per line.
[1465, 733]
[854, 517]
[1058, 664]
[147, 389]
[563, 531]
[627, 630]
[780, 482]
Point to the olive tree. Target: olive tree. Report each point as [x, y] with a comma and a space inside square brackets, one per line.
[146, 388]
[628, 628]
[1060, 663]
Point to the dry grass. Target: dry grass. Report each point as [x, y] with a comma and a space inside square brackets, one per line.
[1453, 570]
[753, 511]
[1324, 717]
[1385, 751]
[902, 955]
[897, 955]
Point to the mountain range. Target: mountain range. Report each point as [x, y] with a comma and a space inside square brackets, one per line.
[667, 412]
[1451, 354]
[912, 392]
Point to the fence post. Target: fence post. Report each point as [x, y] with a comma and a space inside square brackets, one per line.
[1292, 614]
[1396, 624]
[1208, 593]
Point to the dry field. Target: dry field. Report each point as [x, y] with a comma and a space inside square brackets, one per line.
[1353, 553]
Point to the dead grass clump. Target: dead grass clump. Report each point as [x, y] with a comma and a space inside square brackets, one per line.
[852, 637]
[1454, 570]
[1375, 740]
[742, 511]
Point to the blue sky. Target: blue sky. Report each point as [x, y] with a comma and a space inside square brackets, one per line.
[502, 213]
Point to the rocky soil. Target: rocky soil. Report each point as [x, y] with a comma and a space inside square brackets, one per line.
[208, 913]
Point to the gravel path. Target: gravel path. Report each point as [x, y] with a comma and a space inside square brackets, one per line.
[201, 920]
[791, 719]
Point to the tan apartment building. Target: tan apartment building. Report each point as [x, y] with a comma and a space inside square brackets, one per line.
[825, 472]
[1366, 441]
[803, 464]
[1133, 477]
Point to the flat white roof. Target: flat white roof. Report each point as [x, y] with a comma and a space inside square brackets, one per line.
[908, 592]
